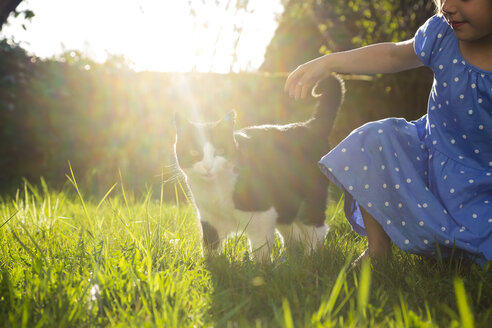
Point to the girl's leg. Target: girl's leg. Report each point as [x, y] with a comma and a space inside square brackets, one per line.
[378, 242]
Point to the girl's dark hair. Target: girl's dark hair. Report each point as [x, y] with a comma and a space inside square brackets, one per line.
[438, 4]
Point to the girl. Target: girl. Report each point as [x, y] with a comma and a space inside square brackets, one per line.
[426, 185]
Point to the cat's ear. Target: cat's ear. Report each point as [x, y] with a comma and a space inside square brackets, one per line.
[230, 118]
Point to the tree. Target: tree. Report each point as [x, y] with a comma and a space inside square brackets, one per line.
[311, 28]
[6, 7]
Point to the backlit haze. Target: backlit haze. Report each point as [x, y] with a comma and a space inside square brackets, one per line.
[155, 35]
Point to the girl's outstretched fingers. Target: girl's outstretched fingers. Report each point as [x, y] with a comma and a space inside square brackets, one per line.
[296, 85]
[300, 81]
[293, 83]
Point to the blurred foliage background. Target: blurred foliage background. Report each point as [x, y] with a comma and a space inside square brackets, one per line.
[106, 118]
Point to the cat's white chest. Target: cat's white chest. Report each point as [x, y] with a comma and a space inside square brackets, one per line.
[214, 200]
[215, 206]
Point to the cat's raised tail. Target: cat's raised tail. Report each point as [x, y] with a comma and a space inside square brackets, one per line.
[330, 93]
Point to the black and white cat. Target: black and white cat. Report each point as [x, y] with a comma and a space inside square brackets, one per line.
[260, 178]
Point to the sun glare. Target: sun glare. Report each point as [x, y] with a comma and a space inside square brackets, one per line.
[155, 35]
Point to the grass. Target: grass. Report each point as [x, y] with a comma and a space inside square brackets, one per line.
[67, 260]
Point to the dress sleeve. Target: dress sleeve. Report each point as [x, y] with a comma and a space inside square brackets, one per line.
[429, 37]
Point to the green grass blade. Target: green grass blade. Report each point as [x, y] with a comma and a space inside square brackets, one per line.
[10, 218]
[463, 307]
[364, 287]
[105, 196]
[289, 323]
[72, 180]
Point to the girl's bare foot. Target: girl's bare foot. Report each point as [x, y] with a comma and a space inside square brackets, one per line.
[362, 257]
[375, 258]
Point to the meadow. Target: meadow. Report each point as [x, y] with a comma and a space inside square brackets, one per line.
[69, 260]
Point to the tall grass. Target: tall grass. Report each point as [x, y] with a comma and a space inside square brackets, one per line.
[69, 260]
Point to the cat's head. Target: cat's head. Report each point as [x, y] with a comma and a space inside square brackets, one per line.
[205, 151]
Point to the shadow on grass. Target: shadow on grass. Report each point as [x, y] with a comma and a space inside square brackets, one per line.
[409, 290]
[247, 293]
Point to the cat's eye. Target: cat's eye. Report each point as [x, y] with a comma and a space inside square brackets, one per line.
[220, 151]
[194, 153]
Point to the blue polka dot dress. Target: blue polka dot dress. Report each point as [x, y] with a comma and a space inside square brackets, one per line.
[427, 182]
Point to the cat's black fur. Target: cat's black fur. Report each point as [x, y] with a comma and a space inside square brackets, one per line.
[276, 165]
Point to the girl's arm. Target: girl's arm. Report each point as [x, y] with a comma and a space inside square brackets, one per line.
[378, 58]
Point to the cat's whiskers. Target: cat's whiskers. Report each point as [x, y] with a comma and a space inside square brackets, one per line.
[172, 173]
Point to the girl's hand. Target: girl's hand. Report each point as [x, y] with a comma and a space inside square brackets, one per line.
[386, 57]
[302, 79]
